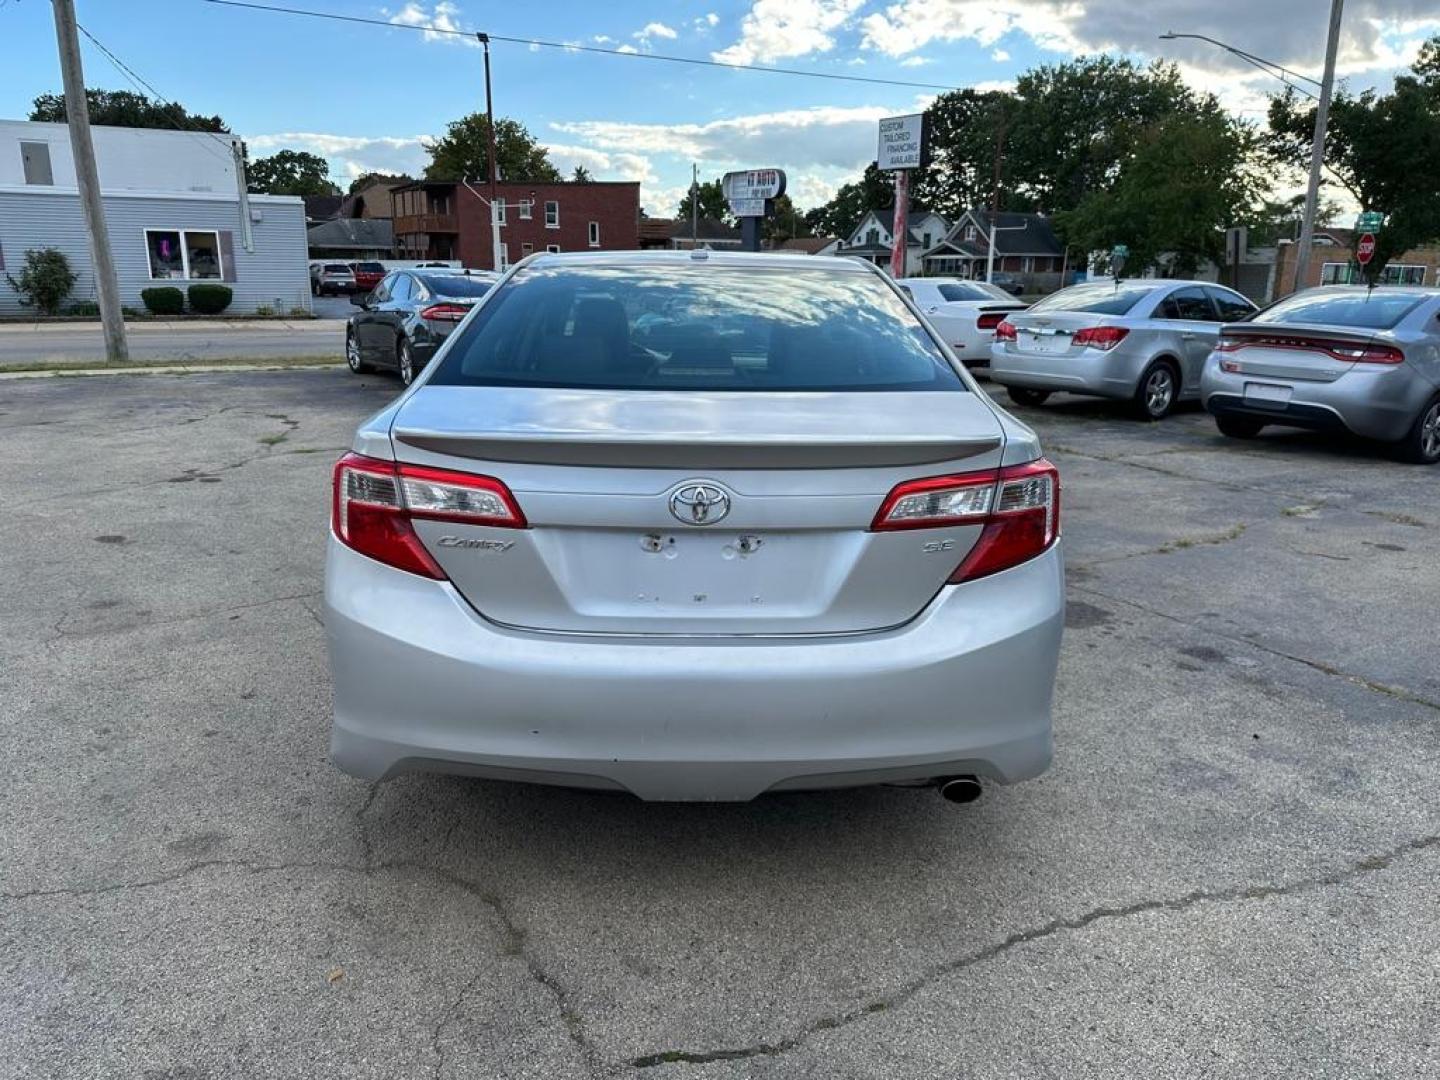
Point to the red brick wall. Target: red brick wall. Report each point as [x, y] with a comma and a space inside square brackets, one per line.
[616, 206]
[1320, 254]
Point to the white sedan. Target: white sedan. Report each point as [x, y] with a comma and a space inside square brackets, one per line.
[965, 313]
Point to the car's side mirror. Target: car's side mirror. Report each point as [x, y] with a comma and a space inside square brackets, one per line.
[360, 299]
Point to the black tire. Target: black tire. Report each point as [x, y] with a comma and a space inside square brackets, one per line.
[1023, 395]
[1158, 390]
[405, 361]
[352, 354]
[1239, 427]
[1421, 444]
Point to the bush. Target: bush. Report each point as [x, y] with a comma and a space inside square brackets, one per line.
[87, 308]
[45, 281]
[163, 300]
[210, 299]
[264, 310]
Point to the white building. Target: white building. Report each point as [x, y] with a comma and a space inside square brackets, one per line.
[172, 208]
[872, 239]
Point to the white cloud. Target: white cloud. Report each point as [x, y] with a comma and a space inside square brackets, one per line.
[999, 56]
[654, 30]
[916, 61]
[711, 19]
[443, 16]
[775, 29]
[603, 39]
[627, 49]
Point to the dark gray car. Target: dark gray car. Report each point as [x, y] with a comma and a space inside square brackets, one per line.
[406, 318]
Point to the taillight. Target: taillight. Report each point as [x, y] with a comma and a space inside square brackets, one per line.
[1345, 351]
[1018, 506]
[990, 321]
[375, 501]
[1004, 330]
[1100, 337]
[444, 312]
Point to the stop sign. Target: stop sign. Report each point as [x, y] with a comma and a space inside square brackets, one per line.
[1365, 249]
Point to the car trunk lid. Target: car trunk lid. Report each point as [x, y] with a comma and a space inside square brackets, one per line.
[1292, 352]
[609, 480]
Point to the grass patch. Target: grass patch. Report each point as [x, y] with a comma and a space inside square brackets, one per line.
[1301, 510]
[273, 440]
[141, 367]
[1232, 533]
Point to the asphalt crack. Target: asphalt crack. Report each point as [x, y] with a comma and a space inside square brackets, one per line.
[1180, 543]
[1368, 865]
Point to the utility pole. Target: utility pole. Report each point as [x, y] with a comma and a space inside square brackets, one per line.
[87, 179]
[1317, 149]
[492, 164]
[999, 162]
[900, 226]
[242, 192]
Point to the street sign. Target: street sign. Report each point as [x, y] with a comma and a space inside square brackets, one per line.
[1365, 249]
[1370, 221]
[902, 142]
[748, 190]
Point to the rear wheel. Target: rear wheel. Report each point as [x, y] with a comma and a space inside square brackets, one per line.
[1421, 444]
[1022, 395]
[1238, 427]
[352, 354]
[1158, 389]
[405, 361]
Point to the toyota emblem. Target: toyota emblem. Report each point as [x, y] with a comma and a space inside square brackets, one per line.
[699, 504]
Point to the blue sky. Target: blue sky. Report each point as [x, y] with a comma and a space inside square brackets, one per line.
[364, 96]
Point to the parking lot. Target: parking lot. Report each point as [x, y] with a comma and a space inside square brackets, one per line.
[1229, 872]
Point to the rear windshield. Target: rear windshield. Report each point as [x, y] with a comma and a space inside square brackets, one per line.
[370, 268]
[972, 292]
[679, 327]
[455, 284]
[1097, 298]
[337, 268]
[1365, 310]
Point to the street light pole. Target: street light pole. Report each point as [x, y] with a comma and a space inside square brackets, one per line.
[492, 166]
[1317, 149]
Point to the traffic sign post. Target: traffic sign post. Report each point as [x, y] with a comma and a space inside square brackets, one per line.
[1118, 254]
[1369, 222]
[1365, 249]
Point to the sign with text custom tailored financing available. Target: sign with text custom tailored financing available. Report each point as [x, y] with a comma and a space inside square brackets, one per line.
[750, 190]
[902, 142]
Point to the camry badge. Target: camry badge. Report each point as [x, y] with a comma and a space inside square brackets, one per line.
[699, 504]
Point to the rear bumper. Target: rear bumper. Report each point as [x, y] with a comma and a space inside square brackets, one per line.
[1369, 400]
[1105, 374]
[423, 682]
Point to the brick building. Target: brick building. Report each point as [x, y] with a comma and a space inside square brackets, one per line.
[449, 220]
[1332, 262]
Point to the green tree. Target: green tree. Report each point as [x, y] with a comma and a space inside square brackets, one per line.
[1188, 178]
[1275, 220]
[712, 203]
[45, 280]
[1384, 149]
[121, 108]
[290, 172]
[581, 175]
[462, 153]
[839, 217]
[366, 178]
[784, 223]
[967, 128]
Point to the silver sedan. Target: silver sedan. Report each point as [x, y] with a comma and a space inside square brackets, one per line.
[695, 526]
[1343, 358]
[1143, 341]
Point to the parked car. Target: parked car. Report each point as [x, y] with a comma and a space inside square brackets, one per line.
[964, 313]
[1340, 358]
[810, 556]
[367, 275]
[1144, 341]
[1012, 284]
[331, 277]
[404, 319]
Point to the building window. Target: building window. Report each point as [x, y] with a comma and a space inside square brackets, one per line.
[1027, 265]
[527, 209]
[970, 232]
[552, 215]
[527, 249]
[872, 236]
[553, 249]
[35, 156]
[1335, 273]
[183, 253]
[594, 234]
[499, 205]
[925, 241]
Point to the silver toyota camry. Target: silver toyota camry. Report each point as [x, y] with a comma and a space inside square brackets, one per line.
[1340, 358]
[695, 526]
[1143, 341]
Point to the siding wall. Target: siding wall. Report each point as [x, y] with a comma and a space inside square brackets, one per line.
[275, 273]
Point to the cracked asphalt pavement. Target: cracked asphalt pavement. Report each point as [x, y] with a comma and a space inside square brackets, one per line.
[1230, 871]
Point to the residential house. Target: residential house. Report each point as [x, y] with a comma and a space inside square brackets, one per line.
[1025, 245]
[704, 233]
[872, 238]
[1332, 262]
[351, 239]
[172, 208]
[808, 245]
[450, 220]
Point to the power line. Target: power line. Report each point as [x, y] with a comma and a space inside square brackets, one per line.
[141, 85]
[572, 47]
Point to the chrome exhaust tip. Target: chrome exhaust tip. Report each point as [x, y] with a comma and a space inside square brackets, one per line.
[959, 789]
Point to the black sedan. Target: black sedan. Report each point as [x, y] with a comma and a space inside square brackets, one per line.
[404, 319]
